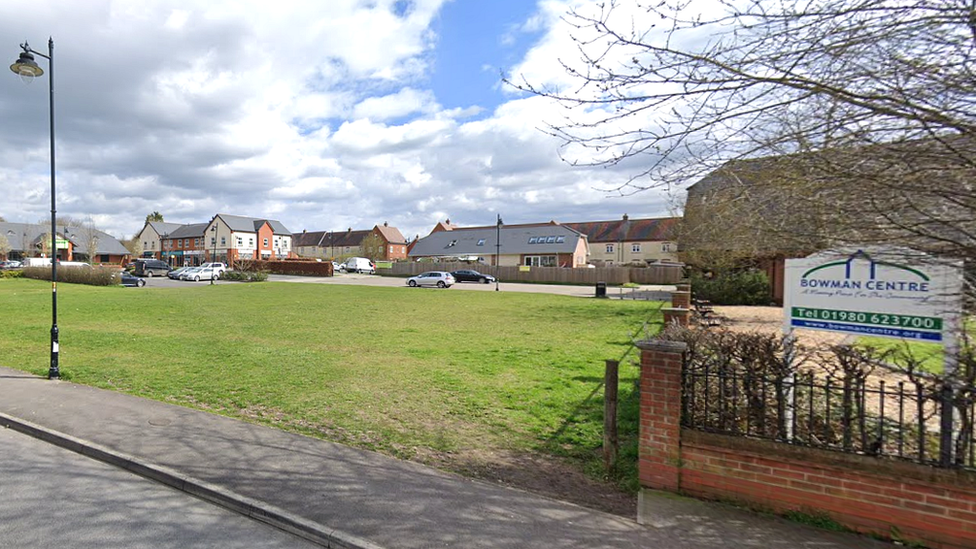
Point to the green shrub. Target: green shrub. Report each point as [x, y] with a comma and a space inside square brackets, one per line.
[11, 274]
[743, 287]
[93, 276]
[241, 276]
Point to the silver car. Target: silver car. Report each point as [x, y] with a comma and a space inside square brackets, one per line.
[441, 279]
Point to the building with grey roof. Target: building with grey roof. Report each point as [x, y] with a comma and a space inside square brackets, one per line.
[537, 245]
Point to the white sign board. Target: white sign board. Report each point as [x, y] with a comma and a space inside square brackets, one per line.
[886, 292]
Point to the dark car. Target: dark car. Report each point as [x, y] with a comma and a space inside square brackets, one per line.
[472, 276]
[151, 267]
[130, 280]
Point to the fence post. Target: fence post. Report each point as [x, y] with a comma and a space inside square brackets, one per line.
[946, 425]
[610, 442]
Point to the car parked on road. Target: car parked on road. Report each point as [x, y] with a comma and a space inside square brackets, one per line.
[151, 267]
[130, 280]
[441, 279]
[10, 264]
[217, 266]
[467, 275]
[175, 273]
[359, 265]
[196, 274]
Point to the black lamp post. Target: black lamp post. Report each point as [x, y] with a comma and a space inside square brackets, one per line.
[27, 69]
[498, 249]
[213, 258]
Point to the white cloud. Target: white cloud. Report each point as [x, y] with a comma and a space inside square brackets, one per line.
[317, 114]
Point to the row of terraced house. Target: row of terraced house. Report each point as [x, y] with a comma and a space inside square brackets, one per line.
[230, 238]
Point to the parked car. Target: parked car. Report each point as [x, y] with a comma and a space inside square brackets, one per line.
[175, 273]
[359, 265]
[472, 276]
[151, 267]
[10, 264]
[130, 280]
[338, 267]
[197, 274]
[441, 279]
[217, 266]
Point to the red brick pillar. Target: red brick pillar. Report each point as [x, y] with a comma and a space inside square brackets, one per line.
[673, 315]
[660, 414]
[681, 299]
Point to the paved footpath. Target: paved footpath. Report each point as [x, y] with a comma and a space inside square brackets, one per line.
[343, 497]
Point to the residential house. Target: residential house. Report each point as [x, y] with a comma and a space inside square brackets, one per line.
[73, 243]
[389, 244]
[537, 245]
[624, 241]
[393, 244]
[151, 237]
[233, 237]
[185, 245]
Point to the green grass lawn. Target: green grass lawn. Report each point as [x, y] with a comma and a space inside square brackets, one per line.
[419, 374]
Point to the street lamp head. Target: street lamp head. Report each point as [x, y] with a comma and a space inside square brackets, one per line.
[26, 67]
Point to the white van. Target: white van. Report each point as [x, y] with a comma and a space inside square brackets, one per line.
[359, 265]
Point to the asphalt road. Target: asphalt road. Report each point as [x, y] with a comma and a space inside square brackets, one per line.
[400, 282]
[51, 497]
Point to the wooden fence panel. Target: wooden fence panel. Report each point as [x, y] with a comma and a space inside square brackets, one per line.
[655, 274]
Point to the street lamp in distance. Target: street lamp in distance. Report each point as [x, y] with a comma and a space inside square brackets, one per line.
[213, 258]
[27, 69]
[498, 249]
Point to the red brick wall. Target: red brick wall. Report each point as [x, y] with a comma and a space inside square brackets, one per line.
[936, 507]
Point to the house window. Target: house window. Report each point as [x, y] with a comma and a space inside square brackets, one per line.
[250, 242]
[666, 247]
[453, 243]
[560, 239]
[609, 248]
[213, 241]
[145, 244]
[481, 241]
[541, 260]
[265, 242]
[196, 242]
[223, 241]
[635, 248]
[533, 239]
[240, 242]
[391, 249]
[550, 240]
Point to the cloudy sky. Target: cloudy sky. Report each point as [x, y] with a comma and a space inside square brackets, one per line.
[323, 115]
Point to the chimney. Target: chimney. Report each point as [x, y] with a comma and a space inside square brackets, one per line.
[626, 217]
[386, 224]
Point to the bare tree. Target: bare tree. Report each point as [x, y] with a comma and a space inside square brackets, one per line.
[4, 246]
[869, 107]
[90, 236]
[373, 246]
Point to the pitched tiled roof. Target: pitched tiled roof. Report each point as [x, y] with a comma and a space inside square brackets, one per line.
[252, 224]
[162, 228]
[391, 234]
[349, 238]
[193, 230]
[19, 234]
[629, 230]
[515, 239]
[309, 239]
